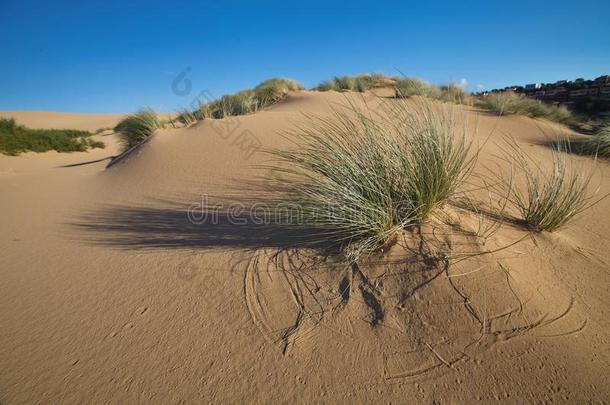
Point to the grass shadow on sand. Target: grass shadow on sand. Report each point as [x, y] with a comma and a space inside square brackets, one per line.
[194, 227]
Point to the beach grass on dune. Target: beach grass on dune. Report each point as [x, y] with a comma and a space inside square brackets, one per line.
[239, 103]
[137, 127]
[409, 87]
[359, 83]
[360, 177]
[553, 195]
[15, 139]
[454, 94]
[96, 144]
[243, 102]
[404, 87]
[186, 117]
[599, 143]
[274, 90]
[511, 103]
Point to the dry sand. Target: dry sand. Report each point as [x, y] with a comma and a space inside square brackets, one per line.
[109, 294]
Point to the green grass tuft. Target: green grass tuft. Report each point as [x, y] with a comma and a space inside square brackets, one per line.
[137, 127]
[274, 90]
[187, 117]
[96, 144]
[553, 195]
[454, 94]
[243, 102]
[358, 179]
[359, 83]
[15, 139]
[512, 103]
[599, 143]
[326, 85]
[345, 83]
[409, 87]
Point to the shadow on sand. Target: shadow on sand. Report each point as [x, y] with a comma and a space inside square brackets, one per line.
[180, 227]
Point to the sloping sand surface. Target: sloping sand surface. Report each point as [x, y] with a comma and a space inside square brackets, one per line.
[109, 293]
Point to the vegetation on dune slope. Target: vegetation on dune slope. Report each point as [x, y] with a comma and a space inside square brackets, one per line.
[553, 195]
[359, 83]
[404, 87]
[243, 102]
[137, 127]
[274, 90]
[408, 87]
[511, 103]
[15, 139]
[599, 143]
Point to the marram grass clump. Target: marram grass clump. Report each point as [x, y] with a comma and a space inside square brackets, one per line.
[243, 102]
[553, 195]
[599, 143]
[137, 127]
[506, 103]
[359, 83]
[358, 178]
[187, 117]
[404, 87]
[409, 87]
[454, 94]
[274, 90]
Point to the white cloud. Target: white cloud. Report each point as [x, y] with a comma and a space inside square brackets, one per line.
[480, 87]
[463, 83]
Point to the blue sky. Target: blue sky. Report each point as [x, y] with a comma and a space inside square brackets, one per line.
[116, 56]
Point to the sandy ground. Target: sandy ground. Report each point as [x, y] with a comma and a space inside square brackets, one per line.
[109, 294]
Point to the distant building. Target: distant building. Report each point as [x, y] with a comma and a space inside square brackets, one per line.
[603, 79]
[556, 90]
[557, 94]
[581, 93]
[588, 96]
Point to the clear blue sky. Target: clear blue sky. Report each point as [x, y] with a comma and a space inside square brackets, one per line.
[115, 56]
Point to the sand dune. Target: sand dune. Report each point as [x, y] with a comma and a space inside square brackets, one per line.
[110, 294]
